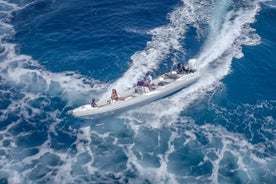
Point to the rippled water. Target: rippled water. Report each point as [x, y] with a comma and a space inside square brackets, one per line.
[57, 55]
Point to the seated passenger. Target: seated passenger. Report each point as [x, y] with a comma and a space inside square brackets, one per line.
[148, 78]
[148, 81]
[93, 103]
[114, 95]
[181, 69]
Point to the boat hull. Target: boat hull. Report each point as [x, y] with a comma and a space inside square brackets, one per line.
[134, 100]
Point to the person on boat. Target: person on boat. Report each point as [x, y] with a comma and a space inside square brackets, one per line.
[181, 69]
[114, 95]
[148, 80]
[93, 103]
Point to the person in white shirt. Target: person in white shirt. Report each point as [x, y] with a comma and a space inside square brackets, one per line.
[148, 80]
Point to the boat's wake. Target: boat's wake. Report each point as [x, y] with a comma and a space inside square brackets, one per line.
[229, 29]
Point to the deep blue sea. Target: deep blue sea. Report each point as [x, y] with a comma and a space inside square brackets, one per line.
[56, 55]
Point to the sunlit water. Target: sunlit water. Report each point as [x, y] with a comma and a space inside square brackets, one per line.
[57, 55]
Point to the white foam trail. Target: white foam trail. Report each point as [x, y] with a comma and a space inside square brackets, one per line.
[229, 38]
[213, 62]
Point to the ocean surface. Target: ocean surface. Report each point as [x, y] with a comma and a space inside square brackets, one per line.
[56, 55]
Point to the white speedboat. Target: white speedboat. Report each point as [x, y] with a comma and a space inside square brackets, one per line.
[163, 86]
